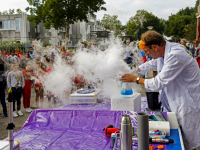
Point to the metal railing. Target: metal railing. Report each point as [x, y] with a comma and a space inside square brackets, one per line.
[22, 47]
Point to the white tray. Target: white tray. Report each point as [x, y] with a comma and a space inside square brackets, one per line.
[91, 98]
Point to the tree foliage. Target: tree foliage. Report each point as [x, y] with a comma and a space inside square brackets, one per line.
[138, 24]
[19, 11]
[183, 23]
[176, 25]
[112, 23]
[12, 11]
[61, 13]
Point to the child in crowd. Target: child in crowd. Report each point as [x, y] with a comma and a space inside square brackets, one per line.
[27, 73]
[55, 51]
[25, 60]
[12, 57]
[39, 71]
[15, 81]
[62, 51]
[49, 68]
[17, 52]
[5, 53]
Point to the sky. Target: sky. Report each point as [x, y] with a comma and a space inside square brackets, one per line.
[123, 8]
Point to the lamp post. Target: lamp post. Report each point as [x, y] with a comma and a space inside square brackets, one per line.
[150, 27]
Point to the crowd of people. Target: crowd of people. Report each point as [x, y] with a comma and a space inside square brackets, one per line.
[194, 50]
[19, 72]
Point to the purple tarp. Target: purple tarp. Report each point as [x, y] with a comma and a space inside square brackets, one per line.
[70, 128]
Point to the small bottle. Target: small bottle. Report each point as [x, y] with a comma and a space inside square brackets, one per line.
[112, 139]
[133, 134]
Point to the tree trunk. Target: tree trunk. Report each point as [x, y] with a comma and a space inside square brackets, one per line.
[67, 34]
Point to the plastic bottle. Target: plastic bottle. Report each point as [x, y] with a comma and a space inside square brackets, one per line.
[112, 139]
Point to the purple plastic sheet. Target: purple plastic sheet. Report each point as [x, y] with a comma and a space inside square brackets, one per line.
[72, 127]
[69, 129]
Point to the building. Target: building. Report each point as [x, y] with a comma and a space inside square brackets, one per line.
[17, 27]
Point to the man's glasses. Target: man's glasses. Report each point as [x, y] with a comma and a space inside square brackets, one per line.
[146, 51]
[194, 43]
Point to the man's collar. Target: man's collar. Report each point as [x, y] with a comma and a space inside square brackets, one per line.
[167, 45]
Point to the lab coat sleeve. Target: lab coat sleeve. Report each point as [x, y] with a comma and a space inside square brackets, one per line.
[172, 68]
[147, 66]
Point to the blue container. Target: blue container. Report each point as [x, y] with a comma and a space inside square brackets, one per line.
[126, 92]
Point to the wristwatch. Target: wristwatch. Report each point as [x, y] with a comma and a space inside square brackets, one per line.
[137, 80]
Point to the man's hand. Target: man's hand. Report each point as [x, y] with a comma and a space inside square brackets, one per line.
[129, 78]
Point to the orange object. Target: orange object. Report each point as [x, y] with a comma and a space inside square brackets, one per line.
[151, 147]
[142, 44]
[160, 147]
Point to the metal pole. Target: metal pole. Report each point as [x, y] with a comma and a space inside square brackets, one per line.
[10, 126]
[10, 131]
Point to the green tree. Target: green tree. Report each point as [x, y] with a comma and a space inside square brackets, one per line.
[138, 24]
[112, 23]
[5, 12]
[62, 13]
[176, 25]
[19, 11]
[183, 23]
[190, 32]
[11, 11]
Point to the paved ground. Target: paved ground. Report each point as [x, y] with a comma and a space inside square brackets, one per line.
[18, 121]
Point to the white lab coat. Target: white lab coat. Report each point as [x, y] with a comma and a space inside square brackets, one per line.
[179, 77]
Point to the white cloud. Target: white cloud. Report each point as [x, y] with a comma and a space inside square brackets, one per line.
[160, 8]
[13, 4]
[123, 8]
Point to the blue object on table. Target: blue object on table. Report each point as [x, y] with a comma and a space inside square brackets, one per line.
[157, 117]
[174, 134]
[112, 140]
[126, 92]
[159, 132]
[85, 91]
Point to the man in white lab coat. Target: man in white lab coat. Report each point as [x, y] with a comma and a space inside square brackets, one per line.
[178, 81]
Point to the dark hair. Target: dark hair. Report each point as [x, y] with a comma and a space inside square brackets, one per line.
[28, 54]
[153, 38]
[12, 50]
